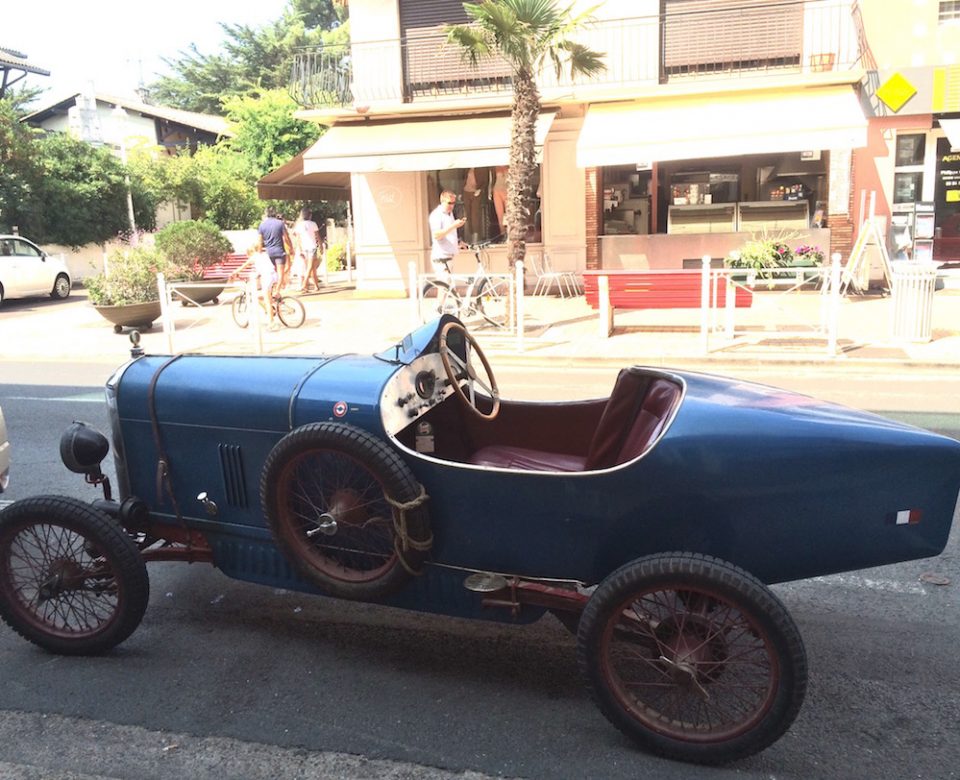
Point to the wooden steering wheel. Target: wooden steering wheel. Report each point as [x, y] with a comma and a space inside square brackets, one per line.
[458, 369]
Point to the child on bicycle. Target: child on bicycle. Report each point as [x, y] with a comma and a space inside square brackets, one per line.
[265, 272]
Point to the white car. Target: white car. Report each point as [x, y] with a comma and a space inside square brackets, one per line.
[25, 269]
[4, 455]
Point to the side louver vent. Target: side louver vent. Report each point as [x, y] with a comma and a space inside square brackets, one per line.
[231, 465]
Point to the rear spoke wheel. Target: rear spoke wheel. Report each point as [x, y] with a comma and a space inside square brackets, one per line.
[692, 657]
[291, 312]
[438, 298]
[239, 310]
[492, 302]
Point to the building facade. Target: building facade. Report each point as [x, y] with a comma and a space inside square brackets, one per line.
[715, 120]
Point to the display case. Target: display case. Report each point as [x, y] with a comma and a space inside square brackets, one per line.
[706, 218]
[757, 216]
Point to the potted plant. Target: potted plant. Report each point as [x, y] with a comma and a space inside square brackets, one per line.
[127, 293]
[808, 256]
[191, 247]
[762, 255]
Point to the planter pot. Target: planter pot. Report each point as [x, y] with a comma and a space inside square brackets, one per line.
[132, 315]
[200, 294]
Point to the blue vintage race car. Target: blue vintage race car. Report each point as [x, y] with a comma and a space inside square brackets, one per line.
[649, 522]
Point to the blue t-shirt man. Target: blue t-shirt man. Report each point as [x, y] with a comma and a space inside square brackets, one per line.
[273, 230]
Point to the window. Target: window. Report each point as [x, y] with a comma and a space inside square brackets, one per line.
[706, 36]
[949, 11]
[481, 200]
[907, 187]
[23, 249]
[626, 200]
[910, 149]
[908, 170]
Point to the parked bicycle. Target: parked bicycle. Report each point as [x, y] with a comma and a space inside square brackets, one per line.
[483, 295]
[286, 308]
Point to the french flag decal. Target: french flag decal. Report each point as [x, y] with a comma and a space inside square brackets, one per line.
[904, 517]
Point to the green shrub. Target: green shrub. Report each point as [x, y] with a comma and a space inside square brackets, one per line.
[191, 246]
[132, 278]
[336, 256]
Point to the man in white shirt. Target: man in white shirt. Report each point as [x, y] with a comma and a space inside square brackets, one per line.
[443, 229]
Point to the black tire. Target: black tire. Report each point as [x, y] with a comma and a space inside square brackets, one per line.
[61, 287]
[239, 310]
[324, 489]
[71, 580]
[692, 657]
[291, 312]
[118, 328]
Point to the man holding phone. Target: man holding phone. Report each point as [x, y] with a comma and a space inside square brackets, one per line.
[443, 229]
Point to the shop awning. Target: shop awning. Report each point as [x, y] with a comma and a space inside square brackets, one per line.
[289, 182]
[685, 128]
[417, 144]
[951, 128]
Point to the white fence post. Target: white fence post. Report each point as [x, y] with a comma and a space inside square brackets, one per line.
[413, 293]
[705, 304]
[165, 317]
[834, 311]
[253, 306]
[606, 309]
[519, 307]
[730, 306]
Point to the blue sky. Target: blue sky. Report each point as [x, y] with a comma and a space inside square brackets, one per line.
[113, 42]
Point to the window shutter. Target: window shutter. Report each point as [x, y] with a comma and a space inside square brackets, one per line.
[717, 35]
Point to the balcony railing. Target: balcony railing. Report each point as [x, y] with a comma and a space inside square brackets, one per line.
[690, 40]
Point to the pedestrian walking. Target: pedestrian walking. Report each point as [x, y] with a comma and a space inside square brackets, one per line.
[276, 243]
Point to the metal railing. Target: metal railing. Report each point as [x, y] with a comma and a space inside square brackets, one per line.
[750, 39]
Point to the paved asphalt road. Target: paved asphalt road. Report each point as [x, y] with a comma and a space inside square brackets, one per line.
[226, 679]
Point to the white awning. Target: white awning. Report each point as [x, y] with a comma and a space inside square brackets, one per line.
[417, 145]
[951, 127]
[685, 128]
[289, 182]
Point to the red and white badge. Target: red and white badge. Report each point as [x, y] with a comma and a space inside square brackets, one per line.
[339, 408]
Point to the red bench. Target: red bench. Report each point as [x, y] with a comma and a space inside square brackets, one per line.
[636, 289]
[220, 272]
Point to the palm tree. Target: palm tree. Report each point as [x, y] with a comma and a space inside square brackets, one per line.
[527, 34]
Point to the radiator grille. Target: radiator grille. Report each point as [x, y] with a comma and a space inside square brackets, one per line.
[231, 466]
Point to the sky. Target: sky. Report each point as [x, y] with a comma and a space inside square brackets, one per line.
[116, 43]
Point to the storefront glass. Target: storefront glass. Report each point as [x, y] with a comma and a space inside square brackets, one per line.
[726, 195]
[481, 200]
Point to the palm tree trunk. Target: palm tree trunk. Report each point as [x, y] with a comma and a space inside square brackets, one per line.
[523, 163]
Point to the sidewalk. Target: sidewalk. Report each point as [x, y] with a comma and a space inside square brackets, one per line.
[778, 328]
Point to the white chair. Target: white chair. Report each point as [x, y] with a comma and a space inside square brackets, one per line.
[566, 281]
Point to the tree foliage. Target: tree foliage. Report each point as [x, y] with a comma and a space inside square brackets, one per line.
[56, 189]
[252, 58]
[20, 173]
[266, 132]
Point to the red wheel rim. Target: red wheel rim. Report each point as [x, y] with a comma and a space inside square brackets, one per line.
[689, 663]
[59, 581]
[336, 516]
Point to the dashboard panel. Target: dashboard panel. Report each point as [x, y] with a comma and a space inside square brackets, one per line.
[412, 391]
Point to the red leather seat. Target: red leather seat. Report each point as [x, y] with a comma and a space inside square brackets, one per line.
[632, 419]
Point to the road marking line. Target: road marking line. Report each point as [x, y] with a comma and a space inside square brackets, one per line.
[84, 398]
[5, 502]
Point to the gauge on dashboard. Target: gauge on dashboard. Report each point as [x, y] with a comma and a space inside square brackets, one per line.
[425, 384]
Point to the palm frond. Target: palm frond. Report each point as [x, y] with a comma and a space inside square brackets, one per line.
[474, 43]
[583, 60]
